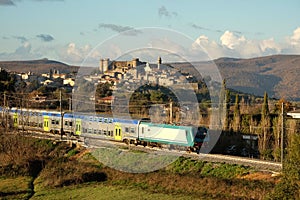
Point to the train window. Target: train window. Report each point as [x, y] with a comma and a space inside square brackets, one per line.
[84, 130]
[132, 130]
[99, 131]
[89, 130]
[142, 129]
[119, 132]
[70, 123]
[57, 122]
[66, 123]
[95, 131]
[126, 129]
[104, 132]
[110, 121]
[105, 120]
[100, 119]
[53, 122]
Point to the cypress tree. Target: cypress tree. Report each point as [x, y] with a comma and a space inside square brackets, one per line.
[224, 106]
[265, 127]
[236, 114]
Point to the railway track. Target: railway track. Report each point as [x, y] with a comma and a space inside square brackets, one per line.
[88, 143]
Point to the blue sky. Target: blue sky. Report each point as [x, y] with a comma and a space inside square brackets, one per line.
[68, 30]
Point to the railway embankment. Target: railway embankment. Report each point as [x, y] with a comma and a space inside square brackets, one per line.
[33, 168]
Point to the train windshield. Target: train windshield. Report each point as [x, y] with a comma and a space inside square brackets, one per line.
[201, 134]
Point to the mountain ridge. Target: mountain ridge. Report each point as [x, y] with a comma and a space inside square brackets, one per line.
[276, 74]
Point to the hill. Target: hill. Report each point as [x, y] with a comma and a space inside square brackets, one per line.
[277, 74]
[37, 66]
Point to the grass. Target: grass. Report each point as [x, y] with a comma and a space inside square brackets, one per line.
[132, 161]
[15, 188]
[220, 170]
[103, 192]
[71, 173]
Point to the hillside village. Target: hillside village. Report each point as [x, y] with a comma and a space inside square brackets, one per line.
[117, 73]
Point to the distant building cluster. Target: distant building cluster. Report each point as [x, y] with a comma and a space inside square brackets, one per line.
[52, 79]
[137, 72]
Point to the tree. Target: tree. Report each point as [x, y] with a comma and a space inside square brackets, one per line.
[103, 90]
[236, 115]
[265, 124]
[288, 188]
[224, 106]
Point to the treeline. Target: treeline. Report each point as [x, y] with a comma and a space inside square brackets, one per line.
[268, 125]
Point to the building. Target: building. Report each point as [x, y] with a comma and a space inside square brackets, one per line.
[39, 99]
[294, 114]
[107, 100]
[106, 65]
[69, 81]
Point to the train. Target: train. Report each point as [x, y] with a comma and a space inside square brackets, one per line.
[106, 127]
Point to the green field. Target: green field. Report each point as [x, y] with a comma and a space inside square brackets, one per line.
[103, 192]
[15, 188]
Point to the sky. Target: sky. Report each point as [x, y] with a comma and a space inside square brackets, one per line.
[72, 30]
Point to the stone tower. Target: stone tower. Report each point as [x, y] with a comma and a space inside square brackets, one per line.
[158, 62]
[105, 64]
[101, 66]
[135, 62]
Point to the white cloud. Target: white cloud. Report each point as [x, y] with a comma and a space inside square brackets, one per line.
[292, 43]
[211, 48]
[231, 40]
[295, 38]
[269, 46]
[232, 44]
[23, 52]
[73, 54]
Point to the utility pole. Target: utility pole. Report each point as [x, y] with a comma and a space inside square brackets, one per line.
[171, 112]
[70, 104]
[282, 133]
[61, 115]
[4, 111]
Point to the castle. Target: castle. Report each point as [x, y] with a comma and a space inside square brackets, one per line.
[118, 66]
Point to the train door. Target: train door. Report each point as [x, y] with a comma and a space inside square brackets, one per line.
[15, 118]
[118, 132]
[46, 123]
[78, 127]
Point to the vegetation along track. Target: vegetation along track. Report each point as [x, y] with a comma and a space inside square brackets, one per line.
[256, 163]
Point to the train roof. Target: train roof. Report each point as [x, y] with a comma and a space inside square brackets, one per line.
[166, 125]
